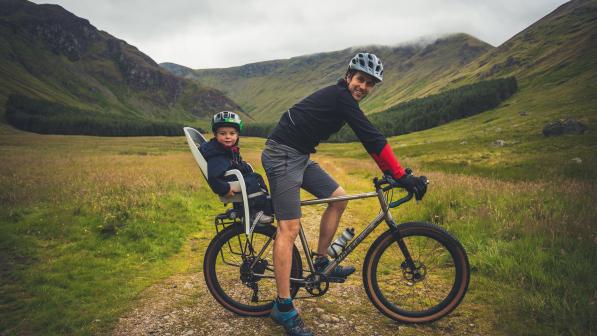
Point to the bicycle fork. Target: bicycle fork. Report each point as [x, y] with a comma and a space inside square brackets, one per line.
[408, 265]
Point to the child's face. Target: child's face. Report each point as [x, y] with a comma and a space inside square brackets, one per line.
[227, 136]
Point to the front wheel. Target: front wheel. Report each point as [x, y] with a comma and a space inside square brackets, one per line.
[426, 290]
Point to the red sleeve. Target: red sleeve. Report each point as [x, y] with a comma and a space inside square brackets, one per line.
[387, 162]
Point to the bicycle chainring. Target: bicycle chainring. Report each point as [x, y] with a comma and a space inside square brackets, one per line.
[317, 287]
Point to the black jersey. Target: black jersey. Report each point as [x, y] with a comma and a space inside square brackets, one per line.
[318, 116]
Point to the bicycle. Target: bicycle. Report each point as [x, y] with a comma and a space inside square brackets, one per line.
[414, 272]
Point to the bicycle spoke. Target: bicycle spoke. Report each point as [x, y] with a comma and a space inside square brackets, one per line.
[421, 288]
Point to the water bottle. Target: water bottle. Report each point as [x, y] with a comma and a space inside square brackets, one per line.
[340, 243]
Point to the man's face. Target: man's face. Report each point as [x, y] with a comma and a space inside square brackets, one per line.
[359, 85]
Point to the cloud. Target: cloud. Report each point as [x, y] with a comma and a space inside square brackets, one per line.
[222, 33]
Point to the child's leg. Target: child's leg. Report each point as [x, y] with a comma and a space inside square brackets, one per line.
[262, 183]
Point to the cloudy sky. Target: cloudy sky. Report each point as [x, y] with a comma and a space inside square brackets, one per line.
[224, 33]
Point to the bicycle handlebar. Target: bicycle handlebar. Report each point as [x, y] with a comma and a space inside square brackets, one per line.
[387, 183]
[402, 200]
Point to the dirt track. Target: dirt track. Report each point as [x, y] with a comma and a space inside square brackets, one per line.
[182, 305]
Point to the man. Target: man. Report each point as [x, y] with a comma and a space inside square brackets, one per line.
[288, 168]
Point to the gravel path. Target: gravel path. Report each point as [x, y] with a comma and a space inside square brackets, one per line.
[182, 305]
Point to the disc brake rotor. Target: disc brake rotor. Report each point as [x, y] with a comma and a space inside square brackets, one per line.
[415, 274]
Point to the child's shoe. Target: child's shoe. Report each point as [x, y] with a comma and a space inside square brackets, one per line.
[262, 218]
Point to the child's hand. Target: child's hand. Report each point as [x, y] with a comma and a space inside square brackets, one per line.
[230, 193]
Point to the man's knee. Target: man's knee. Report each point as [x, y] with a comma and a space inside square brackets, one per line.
[288, 229]
[339, 206]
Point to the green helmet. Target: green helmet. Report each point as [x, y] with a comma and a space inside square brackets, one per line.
[226, 118]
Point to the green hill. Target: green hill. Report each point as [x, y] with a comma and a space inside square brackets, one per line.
[553, 60]
[266, 89]
[47, 53]
[555, 64]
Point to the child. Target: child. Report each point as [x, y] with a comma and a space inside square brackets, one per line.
[222, 154]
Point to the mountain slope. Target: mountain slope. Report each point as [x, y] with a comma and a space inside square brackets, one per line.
[555, 64]
[47, 52]
[558, 48]
[554, 61]
[267, 89]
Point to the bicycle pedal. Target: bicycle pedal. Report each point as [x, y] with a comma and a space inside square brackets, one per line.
[336, 280]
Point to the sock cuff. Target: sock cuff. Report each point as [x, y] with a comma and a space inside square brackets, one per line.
[284, 300]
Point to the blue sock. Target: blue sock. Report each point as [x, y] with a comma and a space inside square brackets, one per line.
[284, 305]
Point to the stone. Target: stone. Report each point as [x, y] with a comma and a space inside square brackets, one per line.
[577, 160]
[523, 113]
[499, 143]
[564, 126]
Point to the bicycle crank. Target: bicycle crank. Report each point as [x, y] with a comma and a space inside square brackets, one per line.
[316, 284]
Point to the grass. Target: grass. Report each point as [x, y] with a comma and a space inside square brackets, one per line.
[85, 227]
[87, 223]
[531, 245]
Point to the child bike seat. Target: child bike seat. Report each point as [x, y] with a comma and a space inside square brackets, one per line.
[195, 139]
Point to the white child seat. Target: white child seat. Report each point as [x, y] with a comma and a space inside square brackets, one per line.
[195, 139]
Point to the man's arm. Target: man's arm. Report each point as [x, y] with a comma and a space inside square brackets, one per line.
[387, 162]
[374, 142]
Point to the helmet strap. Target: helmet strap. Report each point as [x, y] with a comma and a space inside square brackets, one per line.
[349, 74]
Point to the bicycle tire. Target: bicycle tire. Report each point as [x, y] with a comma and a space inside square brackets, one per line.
[224, 281]
[439, 257]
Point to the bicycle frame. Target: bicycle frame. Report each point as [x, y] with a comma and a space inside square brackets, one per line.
[408, 291]
[384, 214]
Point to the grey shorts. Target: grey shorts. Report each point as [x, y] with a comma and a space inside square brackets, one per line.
[289, 170]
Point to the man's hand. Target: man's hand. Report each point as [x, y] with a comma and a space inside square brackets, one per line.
[413, 184]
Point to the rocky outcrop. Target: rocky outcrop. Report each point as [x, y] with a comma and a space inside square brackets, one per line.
[564, 126]
[142, 73]
[62, 32]
[97, 68]
[508, 64]
[209, 100]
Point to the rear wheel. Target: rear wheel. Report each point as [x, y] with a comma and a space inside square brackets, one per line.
[428, 289]
[234, 266]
